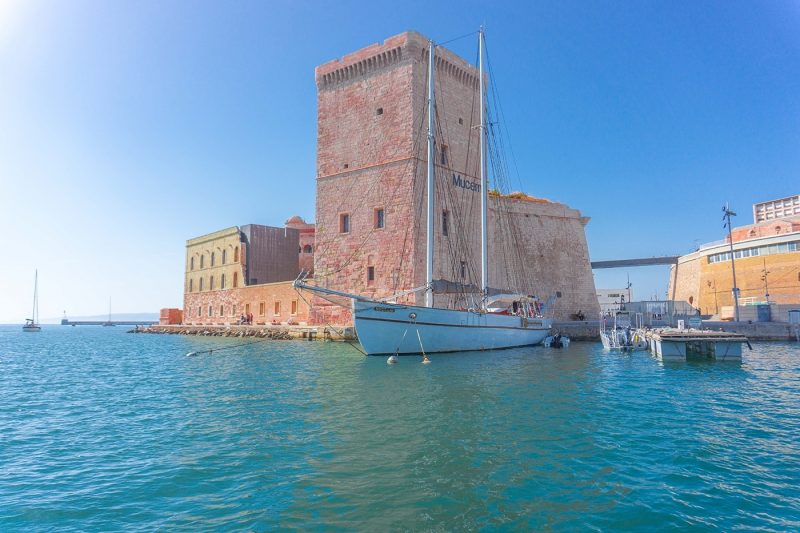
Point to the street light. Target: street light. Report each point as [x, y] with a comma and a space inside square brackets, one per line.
[727, 218]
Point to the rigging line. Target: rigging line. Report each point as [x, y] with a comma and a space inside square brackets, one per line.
[456, 38]
[198, 352]
[501, 113]
[329, 325]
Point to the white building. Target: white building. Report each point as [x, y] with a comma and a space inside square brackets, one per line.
[780, 208]
[612, 299]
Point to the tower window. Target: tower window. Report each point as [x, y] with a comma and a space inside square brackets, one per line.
[202, 260]
[212, 259]
[235, 279]
[210, 311]
[224, 256]
[190, 285]
[211, 283]
[370, 274]
[191, 263]
[222, 281]
[344, 223]
[379, 218]
[379, 111]
[445, 223]
[463, 269]
[201, 284]
[221, 310]
[444, 154]
[199, 312]
[236, 255]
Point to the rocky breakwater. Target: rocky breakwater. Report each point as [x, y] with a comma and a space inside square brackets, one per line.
[276, 332]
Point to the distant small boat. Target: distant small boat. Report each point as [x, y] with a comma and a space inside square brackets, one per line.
[32, 324]
[108, 322]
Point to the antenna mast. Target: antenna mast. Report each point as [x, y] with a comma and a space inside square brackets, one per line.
[431, 157]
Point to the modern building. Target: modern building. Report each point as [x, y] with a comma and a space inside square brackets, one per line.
[780, 208]
[247, 270]
[613, 299]
[371, 193]
[767, 261]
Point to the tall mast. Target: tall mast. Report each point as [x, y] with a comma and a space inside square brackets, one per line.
[484, 181]
[35, 296]
[431, 158]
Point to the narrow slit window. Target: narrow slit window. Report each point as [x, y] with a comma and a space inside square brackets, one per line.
[370, 274]
[379, 218]
[445, 223]
[344, 223]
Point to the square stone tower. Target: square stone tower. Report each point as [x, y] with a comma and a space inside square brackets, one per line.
[371, 188]
[372, 121]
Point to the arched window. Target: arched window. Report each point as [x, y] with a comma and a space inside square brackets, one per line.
[224, 256]
[222, 281]
[201, 284]
[235, 279]
[236, 255]
[212, 259]
[202, 260]
[211, 283]
[191, 263]
[307, 249]
[190, 285]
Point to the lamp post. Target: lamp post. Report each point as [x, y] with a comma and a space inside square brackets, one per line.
[727, 218]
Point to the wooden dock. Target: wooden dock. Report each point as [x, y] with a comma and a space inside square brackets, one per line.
[676, 344]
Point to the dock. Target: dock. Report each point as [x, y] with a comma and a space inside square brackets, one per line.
[672, 344]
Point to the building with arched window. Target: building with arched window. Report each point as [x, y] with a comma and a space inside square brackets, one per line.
[766, 256]
[265, 260]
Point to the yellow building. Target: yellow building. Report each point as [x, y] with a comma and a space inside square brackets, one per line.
[767, 261]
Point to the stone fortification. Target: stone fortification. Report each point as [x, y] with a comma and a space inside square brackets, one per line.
[371, 159]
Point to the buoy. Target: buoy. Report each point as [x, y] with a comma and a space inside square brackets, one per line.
[425, 360]
[392, 360]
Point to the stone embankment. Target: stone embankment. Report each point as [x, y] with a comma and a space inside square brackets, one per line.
[282, 332]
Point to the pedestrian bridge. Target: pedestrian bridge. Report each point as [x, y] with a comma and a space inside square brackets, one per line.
[645, 261]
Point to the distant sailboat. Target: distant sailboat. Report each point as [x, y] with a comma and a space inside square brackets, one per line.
[32, 324]
[108, 322]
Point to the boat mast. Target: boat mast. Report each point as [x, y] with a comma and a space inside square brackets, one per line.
[35, 312]
[484, 181]
[431, 157]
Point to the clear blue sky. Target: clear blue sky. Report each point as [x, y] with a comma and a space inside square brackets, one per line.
[128, 127]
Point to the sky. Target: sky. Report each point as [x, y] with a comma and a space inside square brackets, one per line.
[128, 127]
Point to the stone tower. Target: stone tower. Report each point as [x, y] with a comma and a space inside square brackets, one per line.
[371, 161]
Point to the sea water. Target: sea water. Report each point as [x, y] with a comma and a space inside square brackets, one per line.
[101, 430]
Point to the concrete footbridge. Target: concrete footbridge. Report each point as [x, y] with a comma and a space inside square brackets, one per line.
[646, 261]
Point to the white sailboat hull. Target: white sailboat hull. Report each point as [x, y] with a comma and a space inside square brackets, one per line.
[402, 329]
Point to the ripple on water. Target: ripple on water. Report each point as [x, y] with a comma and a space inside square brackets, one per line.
[100, 430]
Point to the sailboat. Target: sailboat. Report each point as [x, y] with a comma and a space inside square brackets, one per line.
[108, 322]
[503, 320]
[32, 324]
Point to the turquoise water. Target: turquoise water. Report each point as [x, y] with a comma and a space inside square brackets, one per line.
[101, 430]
